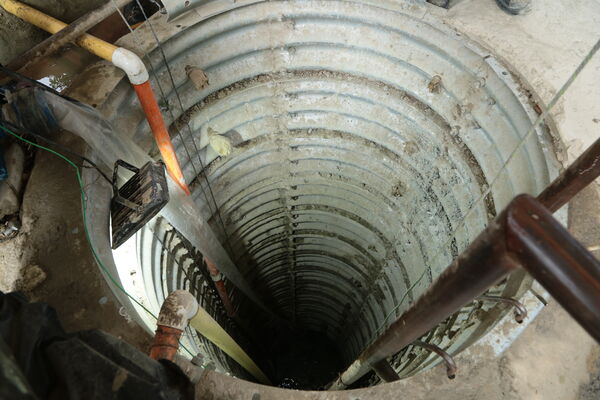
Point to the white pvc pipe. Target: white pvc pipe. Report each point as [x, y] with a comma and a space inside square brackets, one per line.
[131, 64]
[178, 308]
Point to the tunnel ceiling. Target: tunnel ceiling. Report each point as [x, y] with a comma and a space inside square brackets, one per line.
[364, 138]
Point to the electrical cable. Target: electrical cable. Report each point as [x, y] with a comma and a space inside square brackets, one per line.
[47, 88]
[60, 146]
[84, 215]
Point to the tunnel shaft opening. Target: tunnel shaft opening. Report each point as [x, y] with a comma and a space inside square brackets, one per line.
[364, 139]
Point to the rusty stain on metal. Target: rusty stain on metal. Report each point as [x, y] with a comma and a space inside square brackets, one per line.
[217, 278]
[541, 245]
[565, 268]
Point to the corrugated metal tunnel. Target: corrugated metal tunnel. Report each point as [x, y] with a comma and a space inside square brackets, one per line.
[365, 137]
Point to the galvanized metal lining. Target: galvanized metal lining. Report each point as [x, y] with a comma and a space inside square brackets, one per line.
[174, 265]
[349, 175]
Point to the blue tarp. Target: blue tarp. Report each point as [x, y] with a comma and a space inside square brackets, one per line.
[3, 170]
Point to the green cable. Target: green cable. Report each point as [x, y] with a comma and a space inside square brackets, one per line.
[85, 225]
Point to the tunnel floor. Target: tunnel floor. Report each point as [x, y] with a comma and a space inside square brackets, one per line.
[303, 360]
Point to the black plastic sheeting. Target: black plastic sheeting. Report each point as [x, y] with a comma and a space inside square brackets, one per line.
[83, 365]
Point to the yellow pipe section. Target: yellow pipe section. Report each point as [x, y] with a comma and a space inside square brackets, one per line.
[92, 44]
[210, 329]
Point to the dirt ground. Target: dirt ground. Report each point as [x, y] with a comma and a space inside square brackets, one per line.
[50, 259]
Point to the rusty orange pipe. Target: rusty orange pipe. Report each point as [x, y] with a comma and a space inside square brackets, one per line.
[160, 132]
[217, 278]
[166, 343]
[174, 315]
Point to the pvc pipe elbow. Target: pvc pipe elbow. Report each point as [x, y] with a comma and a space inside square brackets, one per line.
[133, 65]
[178, 308]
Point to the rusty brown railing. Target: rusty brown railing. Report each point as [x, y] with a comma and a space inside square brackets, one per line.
[524, 235]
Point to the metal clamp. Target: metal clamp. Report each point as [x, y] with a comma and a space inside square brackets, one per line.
[520, 310]
[448, 360]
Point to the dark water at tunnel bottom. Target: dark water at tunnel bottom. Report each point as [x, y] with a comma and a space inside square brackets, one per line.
[306, 360]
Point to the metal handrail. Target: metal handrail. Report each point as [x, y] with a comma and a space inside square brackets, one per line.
[524, 235]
